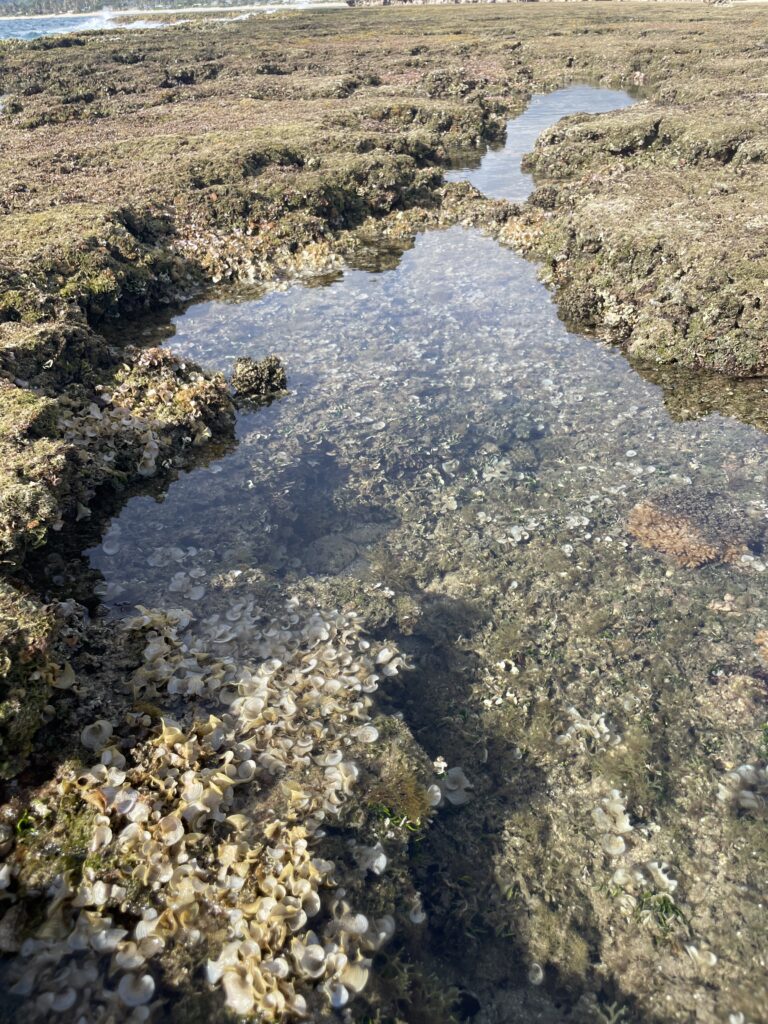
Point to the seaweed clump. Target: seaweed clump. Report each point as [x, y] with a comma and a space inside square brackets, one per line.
[692, 530]
[259, 378]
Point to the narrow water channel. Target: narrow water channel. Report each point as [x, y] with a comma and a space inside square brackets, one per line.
[575, 581]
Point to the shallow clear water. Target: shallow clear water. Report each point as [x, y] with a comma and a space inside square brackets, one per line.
[456, 464]
[449, 381]
[499, 175]
[455, 357]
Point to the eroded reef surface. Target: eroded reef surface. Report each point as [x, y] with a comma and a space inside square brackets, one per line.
[139, 168]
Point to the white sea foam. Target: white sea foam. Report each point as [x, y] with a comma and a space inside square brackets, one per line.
[34, 26]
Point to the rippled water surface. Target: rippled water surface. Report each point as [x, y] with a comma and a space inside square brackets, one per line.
[33, 28]
[449, 443]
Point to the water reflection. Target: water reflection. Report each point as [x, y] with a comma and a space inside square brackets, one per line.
[692, 394]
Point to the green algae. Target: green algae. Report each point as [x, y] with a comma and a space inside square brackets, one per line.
[56, 844]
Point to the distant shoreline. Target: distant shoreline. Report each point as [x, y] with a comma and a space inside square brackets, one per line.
[127, 12]
[46, 17]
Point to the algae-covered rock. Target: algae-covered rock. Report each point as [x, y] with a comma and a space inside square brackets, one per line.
[168, 393]
[33, 471]
[259, 378]
[650, 232]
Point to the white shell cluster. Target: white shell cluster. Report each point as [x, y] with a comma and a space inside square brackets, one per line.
[417, 914]
[96, 735]
[371, 858]
[611, 819]
[591, 733]
[535, 974]
[661, 880]
[212, 817]
[100, 430]
[652, 878]
[65, 677]
[746, 788]
[148, 462]
[704, 957]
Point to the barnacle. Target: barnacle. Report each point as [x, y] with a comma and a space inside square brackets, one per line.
[592, 732]
[455, 788]
[746, 789]
[96, 735]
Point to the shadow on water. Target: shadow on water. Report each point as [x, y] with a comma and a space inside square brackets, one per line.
[457, 870]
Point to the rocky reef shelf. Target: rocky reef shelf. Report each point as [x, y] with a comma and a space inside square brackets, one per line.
[444, 696]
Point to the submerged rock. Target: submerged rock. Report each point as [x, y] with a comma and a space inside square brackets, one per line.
[259, 378]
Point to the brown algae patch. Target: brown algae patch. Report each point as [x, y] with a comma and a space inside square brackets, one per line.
[692, 529]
